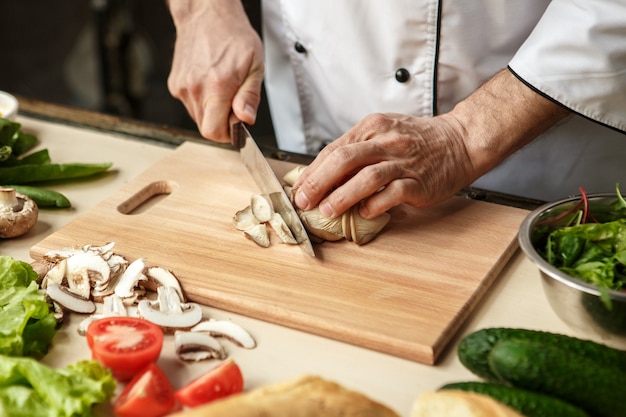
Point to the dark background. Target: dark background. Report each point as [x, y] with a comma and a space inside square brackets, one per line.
[111, 56]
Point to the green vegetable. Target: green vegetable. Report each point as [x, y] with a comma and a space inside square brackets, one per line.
[574, 378]
[474, 349]
[30, 388]
[42, 196]
[31, 173]
[528, 403]
[588, 242]
[19, 168]
[26, 324]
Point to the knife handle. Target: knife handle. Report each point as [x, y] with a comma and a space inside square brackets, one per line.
[237, 135]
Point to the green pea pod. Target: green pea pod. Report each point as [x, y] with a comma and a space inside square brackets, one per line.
[32, 173]
[42, 196]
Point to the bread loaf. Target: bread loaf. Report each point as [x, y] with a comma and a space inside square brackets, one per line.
[457, 403]
[308, 396]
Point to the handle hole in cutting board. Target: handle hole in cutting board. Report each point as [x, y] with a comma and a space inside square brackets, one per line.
[147, 197]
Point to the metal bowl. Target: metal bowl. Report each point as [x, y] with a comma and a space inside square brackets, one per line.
[574, 301]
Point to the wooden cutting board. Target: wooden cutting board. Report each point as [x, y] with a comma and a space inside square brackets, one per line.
[406, 293]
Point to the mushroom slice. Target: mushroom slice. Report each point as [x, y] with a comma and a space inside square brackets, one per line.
[55, 274]
[84, 268]
[227, 329]
[168, 312]
[262, 207]
[281, 228]
[68, 300]
[244, 219]
[129, 279]
[112, 305]
[259, 235]
[194, 346]
[164, 278]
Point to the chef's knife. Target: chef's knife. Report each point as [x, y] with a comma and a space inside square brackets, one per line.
[265, 178]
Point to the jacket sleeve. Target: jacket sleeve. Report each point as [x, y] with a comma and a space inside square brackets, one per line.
[576, 55]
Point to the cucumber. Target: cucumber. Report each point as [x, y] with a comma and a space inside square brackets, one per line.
[474, 348]
[597, 388]
[528, 403]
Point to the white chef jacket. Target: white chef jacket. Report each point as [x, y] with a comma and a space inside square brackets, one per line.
[331, 62]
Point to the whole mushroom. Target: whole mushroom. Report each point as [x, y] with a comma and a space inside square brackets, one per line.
[18, 213]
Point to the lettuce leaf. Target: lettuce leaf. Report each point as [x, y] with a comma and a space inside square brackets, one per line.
[30, 388]
[26, 324]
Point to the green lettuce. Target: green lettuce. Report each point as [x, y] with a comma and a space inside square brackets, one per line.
[30, 388]
[27, 325]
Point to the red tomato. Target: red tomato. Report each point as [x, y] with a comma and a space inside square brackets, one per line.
[221, 381]
[148, 394]
[126, 345]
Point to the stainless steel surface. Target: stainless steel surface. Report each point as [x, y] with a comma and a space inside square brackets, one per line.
[265, 178]
[575, 302]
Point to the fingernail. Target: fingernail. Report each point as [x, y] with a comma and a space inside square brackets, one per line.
[250, 112]
[302, 201]
[327, 210]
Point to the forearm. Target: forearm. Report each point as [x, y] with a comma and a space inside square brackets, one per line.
[500, 118]
[183, 11]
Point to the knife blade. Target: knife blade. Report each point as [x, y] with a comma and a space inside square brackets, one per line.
[266, 180]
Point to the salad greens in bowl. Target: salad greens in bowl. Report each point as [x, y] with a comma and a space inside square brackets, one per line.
[579, 247]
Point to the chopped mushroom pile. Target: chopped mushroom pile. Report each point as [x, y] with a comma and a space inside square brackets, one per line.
[254, 219]
[76, 280]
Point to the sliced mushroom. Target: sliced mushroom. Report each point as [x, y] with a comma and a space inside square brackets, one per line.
[259, 235]
[227, 329]
[69, 300]
[18, 213]
[262, 207]
[163, 278]
[125, 288]
[194, 346]
[112, 306]
[245, 219]
[168, 312]
[55, 274]
[281, 228]
[84, 268]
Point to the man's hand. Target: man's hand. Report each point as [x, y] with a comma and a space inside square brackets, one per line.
[389, 159]
[218, 64]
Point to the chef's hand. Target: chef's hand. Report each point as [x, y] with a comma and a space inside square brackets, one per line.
[389, 159]
[217, 66]
[386, 160]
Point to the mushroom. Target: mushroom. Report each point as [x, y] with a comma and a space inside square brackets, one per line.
[69, 300]
[125, 288]
[112, 306]
[194, 346]
[291, 176]
[18, 213]
[86, 268]
[164, 278]
[262, 207]
[281, 228]
[259, 235]
[168, 311]
[321, 226]
[245, 219]
[363, 230]
[227, 329]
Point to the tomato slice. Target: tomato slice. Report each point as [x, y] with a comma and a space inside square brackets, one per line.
[148, 394]
[223, 380]
[126, 345]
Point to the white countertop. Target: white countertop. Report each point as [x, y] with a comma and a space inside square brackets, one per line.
[515, 300]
